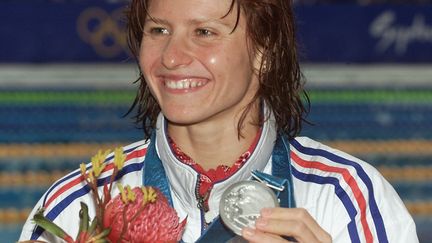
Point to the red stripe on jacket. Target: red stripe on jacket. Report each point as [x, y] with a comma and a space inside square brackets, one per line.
[349, 179]
[80, 178]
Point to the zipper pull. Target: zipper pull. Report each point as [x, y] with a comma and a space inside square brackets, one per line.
[202, 201]
[200, 204]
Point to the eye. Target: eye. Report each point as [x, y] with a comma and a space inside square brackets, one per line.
[204, 32]
[158, 31]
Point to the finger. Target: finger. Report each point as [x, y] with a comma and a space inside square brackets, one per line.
[297, 229]
[253, 235]
[296, 214]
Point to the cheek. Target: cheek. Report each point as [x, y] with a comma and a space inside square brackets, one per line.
[146, 63]
[147, 59]
[210, 55]
[213, 60]
[231, 64]
[219, 61]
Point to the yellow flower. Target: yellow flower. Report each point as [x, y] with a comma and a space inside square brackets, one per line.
[83, 168]
[149, 195]
[119, 158]
[130, 194]
[127, 195]
[122, 193]
[91, 177]
[98, 162]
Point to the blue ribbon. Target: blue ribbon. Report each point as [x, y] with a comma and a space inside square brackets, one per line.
[154, 172]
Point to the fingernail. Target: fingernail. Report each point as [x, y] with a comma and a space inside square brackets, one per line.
[248, 232]
[265, 211]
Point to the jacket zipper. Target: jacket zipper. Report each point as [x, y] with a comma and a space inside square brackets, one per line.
[200, 204]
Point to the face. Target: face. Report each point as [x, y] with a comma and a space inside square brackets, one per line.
[196, 67]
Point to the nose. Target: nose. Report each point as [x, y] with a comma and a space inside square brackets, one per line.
[176, 53]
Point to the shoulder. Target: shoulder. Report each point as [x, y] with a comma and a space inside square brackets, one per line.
[326, 173]
[62, 200]
[346, 178]
[135, 154]
[352, 191]
[311, 156]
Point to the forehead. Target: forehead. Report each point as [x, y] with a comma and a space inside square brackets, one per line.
[192, 9]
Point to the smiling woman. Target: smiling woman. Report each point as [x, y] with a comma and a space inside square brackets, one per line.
[198, 49]
[221, 99]
[231, 40]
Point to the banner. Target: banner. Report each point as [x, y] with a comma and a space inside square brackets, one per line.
[94, 31]
[78, 31]
[376, 33]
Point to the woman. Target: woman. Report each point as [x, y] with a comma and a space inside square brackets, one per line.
[220, 96]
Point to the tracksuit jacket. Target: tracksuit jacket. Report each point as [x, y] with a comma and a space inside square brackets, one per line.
[346, 196]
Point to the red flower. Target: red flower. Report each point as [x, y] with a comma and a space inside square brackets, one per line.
[137, 215]
[146, 220]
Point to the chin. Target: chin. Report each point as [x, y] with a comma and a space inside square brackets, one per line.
[182, 119]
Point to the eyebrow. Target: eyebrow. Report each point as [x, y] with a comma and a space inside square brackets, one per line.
[156, 20]
[190, 21]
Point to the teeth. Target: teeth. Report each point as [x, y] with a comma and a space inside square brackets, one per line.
[179, 85]
[183, 84]
[186, 84]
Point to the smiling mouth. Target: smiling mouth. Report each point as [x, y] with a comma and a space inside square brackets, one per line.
[184, 83]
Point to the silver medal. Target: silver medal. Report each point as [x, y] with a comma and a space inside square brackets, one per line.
[242, 202]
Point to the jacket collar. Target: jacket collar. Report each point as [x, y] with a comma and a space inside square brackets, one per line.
[183, 178]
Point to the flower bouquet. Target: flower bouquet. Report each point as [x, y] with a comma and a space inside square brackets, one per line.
[140, 214]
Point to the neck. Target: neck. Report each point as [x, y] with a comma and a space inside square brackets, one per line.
[211, 145]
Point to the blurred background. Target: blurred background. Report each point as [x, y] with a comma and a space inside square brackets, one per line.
[66, 82]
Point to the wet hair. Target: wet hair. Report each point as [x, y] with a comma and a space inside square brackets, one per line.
[271, 30]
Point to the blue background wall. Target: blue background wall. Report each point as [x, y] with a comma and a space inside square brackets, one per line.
[88, 31]
[53, 120]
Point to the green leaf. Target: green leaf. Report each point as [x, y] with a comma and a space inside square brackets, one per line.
[92, 227]
[84, 218]
[51, 227]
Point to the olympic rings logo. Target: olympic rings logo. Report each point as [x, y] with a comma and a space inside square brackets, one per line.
[105, 32]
